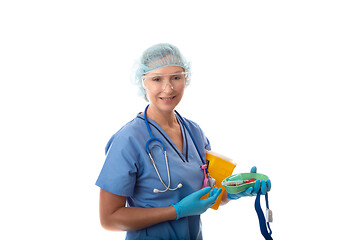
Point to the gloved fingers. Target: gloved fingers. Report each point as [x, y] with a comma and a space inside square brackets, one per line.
[233, 196]
[200, 193]
[248, 193]
[253, 170]
[257, 186]
[218, 192]
[213, 195]
[263, 187]
[215, 192]
[268, 183]
[194, 205]
[260, 185]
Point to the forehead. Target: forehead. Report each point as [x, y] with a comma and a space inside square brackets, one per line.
[166, 70]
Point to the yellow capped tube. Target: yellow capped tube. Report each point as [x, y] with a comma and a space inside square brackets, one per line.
[219, 167]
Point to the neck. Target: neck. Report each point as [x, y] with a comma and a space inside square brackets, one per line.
[163, 118]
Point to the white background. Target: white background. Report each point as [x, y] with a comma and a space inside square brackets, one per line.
[270, 88]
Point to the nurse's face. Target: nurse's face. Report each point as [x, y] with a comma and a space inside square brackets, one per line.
[165, 87]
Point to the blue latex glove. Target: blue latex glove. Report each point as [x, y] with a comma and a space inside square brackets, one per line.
[194, 205]
[259, 185]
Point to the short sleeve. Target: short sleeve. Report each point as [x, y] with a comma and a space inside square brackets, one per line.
[207, 145]
[118, 174]
[205, 140]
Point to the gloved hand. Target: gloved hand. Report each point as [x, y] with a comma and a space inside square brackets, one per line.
[194, 205]
[259, 185]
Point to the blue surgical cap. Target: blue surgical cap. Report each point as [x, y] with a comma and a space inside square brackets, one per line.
[157, 56]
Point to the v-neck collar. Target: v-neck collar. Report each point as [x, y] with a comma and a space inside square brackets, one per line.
[184, 138]
[156, 126]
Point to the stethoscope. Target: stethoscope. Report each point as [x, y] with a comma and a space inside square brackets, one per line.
[208, 181]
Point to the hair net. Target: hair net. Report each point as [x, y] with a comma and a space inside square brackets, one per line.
[157, 56]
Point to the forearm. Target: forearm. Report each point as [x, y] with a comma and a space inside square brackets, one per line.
[224, 199]
[133, 218]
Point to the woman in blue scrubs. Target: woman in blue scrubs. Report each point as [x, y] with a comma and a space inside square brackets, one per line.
[160, 199]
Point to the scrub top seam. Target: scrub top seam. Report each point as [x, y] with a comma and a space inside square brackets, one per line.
[165, 139]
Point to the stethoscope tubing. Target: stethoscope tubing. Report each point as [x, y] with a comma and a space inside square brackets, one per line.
[189, 131]
[158, 140]
[152, 139]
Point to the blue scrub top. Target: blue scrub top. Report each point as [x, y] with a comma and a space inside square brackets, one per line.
[128, 171]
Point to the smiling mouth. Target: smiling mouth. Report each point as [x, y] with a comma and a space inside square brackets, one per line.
[167, 99]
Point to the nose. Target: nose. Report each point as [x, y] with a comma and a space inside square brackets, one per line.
[168, 87]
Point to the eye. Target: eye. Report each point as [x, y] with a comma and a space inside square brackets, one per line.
[177, 77]
[156, 79]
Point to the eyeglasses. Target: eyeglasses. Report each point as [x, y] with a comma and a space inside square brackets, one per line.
[157, 83]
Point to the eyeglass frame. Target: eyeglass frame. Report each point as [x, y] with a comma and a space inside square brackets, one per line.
[186, 74]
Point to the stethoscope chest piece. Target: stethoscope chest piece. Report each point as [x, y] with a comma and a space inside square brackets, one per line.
[208, 181]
